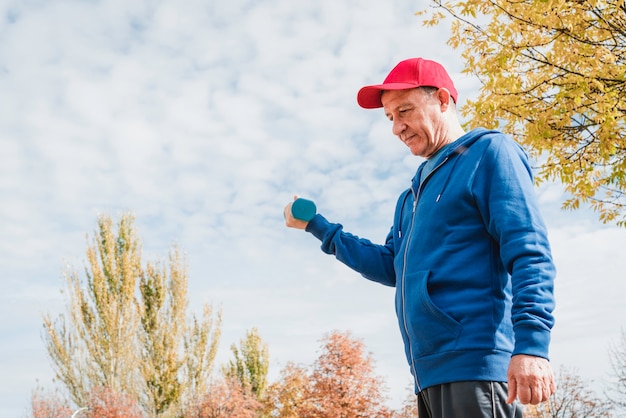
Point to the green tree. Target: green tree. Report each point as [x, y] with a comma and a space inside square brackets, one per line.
[165, 332]
[126, 327]
[250, 364]
[552, 74]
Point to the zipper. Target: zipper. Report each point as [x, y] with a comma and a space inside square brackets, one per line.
[404, 265]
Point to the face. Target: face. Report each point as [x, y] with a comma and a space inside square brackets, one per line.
[417, 118]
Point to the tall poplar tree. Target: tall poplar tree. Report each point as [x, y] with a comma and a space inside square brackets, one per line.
[250, 364]
[126, 328]
[552, 74]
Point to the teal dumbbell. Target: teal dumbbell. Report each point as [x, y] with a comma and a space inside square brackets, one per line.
[303, 209]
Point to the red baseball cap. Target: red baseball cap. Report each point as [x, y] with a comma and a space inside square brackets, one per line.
[408, 74]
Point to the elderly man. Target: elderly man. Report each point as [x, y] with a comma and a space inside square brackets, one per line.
[468, 255]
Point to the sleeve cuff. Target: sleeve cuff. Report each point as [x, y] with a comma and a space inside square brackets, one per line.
[532, 341]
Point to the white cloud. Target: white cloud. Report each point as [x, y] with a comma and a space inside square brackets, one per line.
[204, 119]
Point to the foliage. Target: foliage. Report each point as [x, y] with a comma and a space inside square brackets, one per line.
[226, 398]
[126, 328]
[572, 399]
[552, 74]
[102, 403]
[286, 397]
[49, 405]
[409, 406]
[341, 384]
[250, 365]
[105, 403]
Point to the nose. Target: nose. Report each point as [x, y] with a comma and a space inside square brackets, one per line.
[398, 127]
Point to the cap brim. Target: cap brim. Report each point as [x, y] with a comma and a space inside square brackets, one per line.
[369, 96]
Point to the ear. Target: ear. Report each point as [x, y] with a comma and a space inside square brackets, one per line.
[444, 98]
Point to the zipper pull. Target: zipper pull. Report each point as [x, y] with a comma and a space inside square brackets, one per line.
[414, 205]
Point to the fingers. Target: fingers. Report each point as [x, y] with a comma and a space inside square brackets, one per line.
[529, 395]
[525, 395]
[512, 390]
[536, 395]
[549, 386]
[530, 380]
[290, 221]
[526, 392]
[287, 213]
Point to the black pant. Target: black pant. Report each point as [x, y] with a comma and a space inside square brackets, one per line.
[473, 399]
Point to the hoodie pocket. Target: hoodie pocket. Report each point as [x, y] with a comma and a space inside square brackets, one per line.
[430, 329]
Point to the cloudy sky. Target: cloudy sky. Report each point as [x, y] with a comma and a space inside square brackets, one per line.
[204, 118]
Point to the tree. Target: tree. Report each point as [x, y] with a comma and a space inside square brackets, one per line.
[572, 399]
[287, 396]
[552, 74]
[617, 355]
[250, 364]
[126, 327]
[342, 383]
[409, 406]
[227, 398]
[165, 332]
[105, 403]
[102, 403]
[49, 405]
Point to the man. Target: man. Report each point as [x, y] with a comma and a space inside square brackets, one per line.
[468, 254]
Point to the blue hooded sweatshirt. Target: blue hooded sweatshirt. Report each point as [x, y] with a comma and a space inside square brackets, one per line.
[469, 257]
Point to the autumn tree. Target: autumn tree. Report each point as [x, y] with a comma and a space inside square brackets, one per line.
[409, 406]
[250, 364]
[126, 327]
[287, 396]
[105, 403]
[226, 398]
[342, 383]
[572, 399]
[552, 74]
[49, 405]
[101, 403]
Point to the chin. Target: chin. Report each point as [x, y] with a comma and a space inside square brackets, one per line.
[417, 153]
